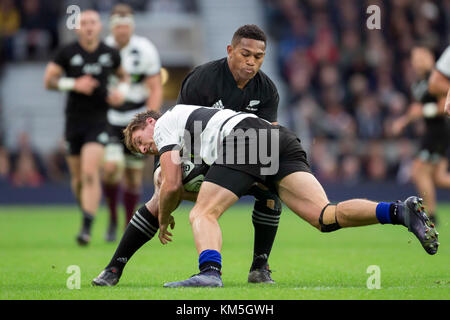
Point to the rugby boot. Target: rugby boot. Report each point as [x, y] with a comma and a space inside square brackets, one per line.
[198, 280]
[83, 238]
[260, 275]
[107, 278]
[411, 214]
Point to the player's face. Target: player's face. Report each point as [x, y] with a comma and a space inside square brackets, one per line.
[90, 26]
[122, 34]
[246, 57]
[143, 138]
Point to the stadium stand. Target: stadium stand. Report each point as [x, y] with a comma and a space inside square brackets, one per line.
[341, 85]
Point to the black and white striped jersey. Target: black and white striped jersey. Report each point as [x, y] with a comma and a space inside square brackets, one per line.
[140, 59]
[196, 130]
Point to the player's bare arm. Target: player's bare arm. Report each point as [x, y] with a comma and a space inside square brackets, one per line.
[153, 204]
[170, 191]
[447, 104]
[54, 80]
[117, 97]
[439, 84]
[53, 73]
[185, 195]
[154, 85]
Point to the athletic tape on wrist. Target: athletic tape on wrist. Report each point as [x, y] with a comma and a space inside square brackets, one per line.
[66, 84]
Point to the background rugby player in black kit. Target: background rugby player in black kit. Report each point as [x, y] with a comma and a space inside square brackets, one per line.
[237, 83]
[86, 65]
[429, 170]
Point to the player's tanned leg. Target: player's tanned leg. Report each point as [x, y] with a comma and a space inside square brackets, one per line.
[304, 195]
[422, 175]
[212, 201]
[74, 164]
[91, 159]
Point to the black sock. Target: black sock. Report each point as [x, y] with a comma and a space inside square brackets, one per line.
[211, 268]
[87, 221]
[394, 214]
[265, 222]
[139, 231]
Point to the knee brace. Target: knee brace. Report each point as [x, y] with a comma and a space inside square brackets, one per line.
[328, 218]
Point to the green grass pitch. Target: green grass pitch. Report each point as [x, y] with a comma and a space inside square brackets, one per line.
[37, 245]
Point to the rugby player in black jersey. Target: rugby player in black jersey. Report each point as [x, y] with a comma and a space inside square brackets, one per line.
[82, 68]
[429, 169]
[237, 83]
[234, 82]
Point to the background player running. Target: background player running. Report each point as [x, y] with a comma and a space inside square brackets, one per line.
[141, 61]
[82, 68]
[429, 169]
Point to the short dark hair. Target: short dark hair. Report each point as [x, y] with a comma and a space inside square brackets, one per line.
[139, 122]
[122, 9]
[249, 31]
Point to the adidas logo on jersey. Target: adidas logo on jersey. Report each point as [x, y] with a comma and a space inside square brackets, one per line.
[218, 105]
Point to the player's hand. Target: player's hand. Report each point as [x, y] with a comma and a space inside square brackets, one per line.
[398, 126]
[86, 84]
[415, 111]
[164, 235]
[172, 222]
[115, 98]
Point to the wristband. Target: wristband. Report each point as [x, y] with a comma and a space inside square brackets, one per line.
[66, 84]
[430, 110]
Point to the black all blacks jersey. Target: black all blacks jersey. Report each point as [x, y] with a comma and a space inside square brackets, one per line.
[212, 85]
[438, 126]
[77, 62]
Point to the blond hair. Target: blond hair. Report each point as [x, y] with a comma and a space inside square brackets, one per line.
[139, 122]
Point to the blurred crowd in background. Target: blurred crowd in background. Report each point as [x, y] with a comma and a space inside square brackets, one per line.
[346, 83]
